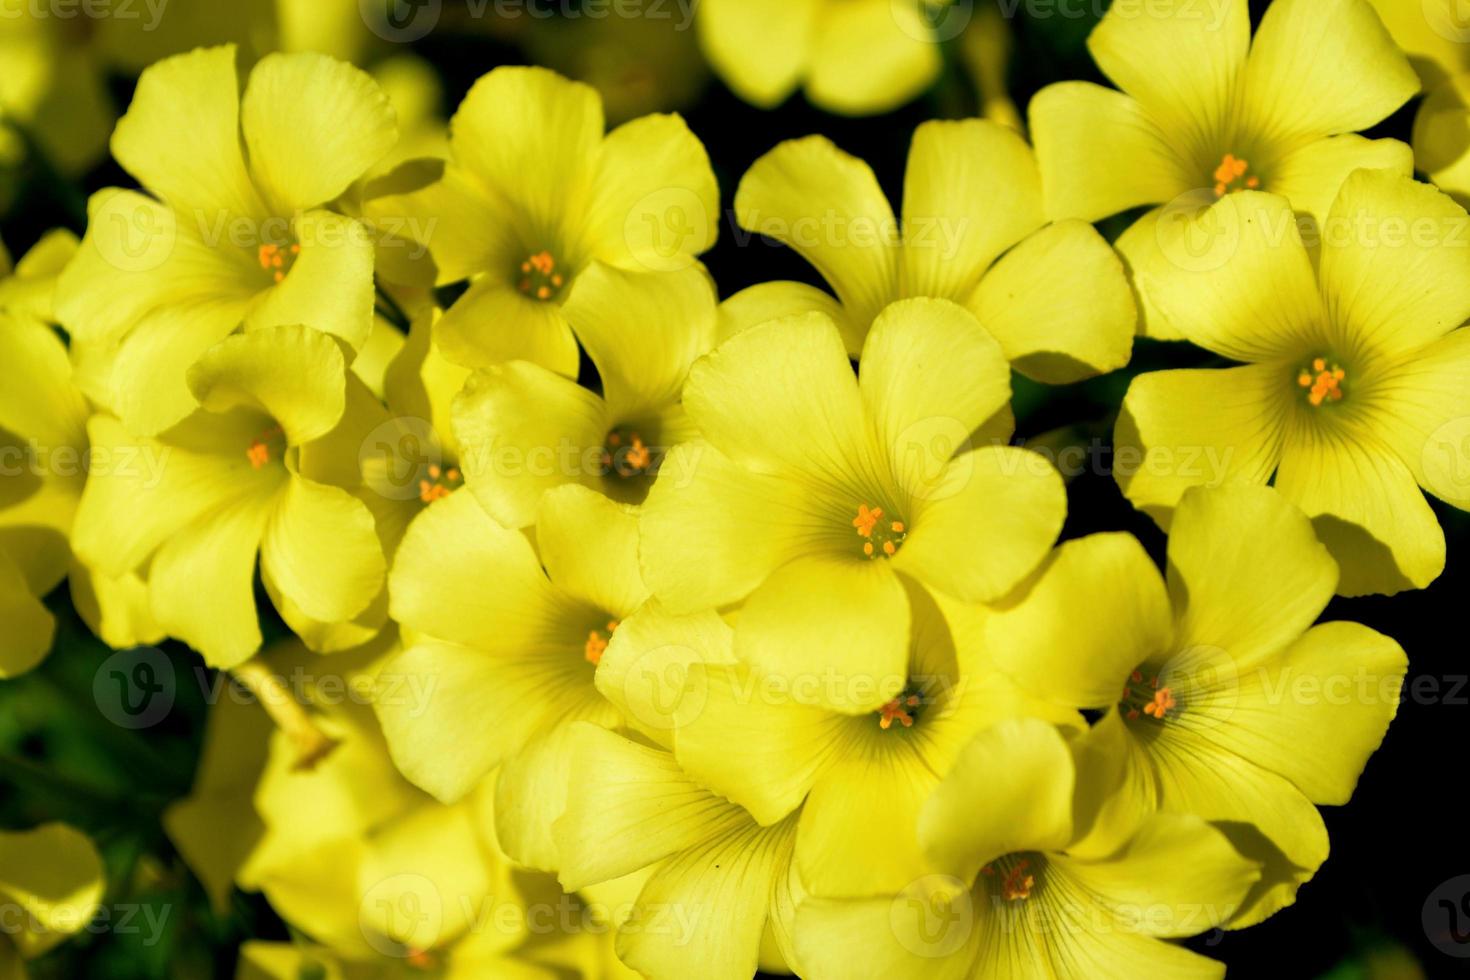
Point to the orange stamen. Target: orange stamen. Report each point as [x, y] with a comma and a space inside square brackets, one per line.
[898, 710]
[539, 276]
[886, 536]
[1230, 173]
[597, 643]
[1323, 382]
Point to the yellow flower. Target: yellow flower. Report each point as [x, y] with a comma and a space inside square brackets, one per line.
[1205, 110]
[1054, 296]
[722, 896]
[855, 57]
[525, 429]
[44, 456]
[52, 88]
[1019, 893]
[534, 192]
[858, 780]
[1221, 698]
[236, 479]
[51, 884]
[1435, 34]
[232, 237]
[511, 636]
[810, 491]
[1352, 389]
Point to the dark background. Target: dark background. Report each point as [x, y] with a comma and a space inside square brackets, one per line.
[1400, 839]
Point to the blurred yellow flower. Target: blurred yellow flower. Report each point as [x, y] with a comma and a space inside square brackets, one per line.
[855, 57]
[51, 884]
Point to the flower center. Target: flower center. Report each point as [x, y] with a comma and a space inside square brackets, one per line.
[1231, 175]
[901, 709]
[626, 454]
[1145, 695]
[539, 276]
[1322, 381]
[438, 483]
[278, 259]
[597, 641]
[878, 534]
[1014, 877]
[260, 449]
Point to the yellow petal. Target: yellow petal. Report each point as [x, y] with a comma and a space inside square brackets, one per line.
[56, 877]
[1440, 144]
[295, 375]
[202, 583]
[150, 369]
[494, 322]
[837, 625]
[524, 430]
[313, 125]
[1100, 153]
[1182, 64]
[985, 523]
[39, 401]
[704, 504]
[769, 301]
[1355, 75]
[532, 136]
[1366, 508]
[1187, 428]
[181, 136]
[1010, 790]
[321, 550]
[643, 332]
[655, 204]
[827, 205]
[1418, 406]
[1060, 305]
[330, 287]
[930, 377]
[1368, 267]
[1318, 711]
[1310, 176]
[589, 545]
[782, 396]
[1236, 279]
[760, 48]
[32, 628]
[871, 56]
[1104, 580]
[1246, 572]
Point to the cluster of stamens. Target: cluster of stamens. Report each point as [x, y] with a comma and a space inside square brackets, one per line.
[278, 259]
[597, 641]
[1016, 880]
[879, 535]
[1323, 383]
[438, 483]
[259, 450]
[626, 454]
[1230, 175]
[1146, 696]
[539, 277]
[900, 709]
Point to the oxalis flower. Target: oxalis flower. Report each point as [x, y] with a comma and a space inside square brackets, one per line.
[826, 764]
[1024, 889]
[1205, 111]
[1054, 297]
[1219, 696]
[491, 617]
[1351, 396]
[856, 58]
[534, 192]
[197, 504]
[51, 883]
[234, 236]
[524, 429]
[719, 898]
[812, 493]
